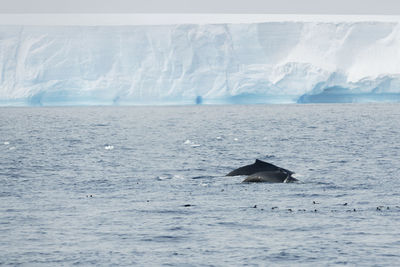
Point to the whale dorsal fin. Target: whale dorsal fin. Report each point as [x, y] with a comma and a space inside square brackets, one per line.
[270, 167]
[263, 163]
[258, 166]
[259, 161]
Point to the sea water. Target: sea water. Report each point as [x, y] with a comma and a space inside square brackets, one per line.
[146, 186]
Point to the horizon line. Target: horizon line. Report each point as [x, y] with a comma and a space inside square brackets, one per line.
[125, 19]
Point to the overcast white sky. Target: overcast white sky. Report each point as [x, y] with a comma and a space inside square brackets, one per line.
[371, 7]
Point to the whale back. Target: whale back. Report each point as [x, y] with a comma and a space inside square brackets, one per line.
[270, 177]
[257, 166]
[266, 177]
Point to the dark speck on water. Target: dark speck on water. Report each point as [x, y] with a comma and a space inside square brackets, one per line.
[51, 157]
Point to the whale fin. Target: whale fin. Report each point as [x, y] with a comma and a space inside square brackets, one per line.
[258, 166]
[270, 166]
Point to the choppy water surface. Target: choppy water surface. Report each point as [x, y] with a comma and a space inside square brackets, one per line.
[146, 185]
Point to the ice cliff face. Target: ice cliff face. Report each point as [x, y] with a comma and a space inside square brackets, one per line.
[273, 62]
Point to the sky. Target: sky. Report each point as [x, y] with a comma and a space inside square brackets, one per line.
[349, 7]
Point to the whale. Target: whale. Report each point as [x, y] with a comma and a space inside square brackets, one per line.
[264, 172]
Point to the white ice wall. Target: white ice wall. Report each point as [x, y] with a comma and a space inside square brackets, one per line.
[176, 63]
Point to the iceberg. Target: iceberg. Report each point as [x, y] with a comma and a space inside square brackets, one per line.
[225, 63]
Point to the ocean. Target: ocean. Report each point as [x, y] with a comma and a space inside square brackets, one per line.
[146, 186]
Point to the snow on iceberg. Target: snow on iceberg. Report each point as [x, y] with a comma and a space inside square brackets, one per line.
[271, 62]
